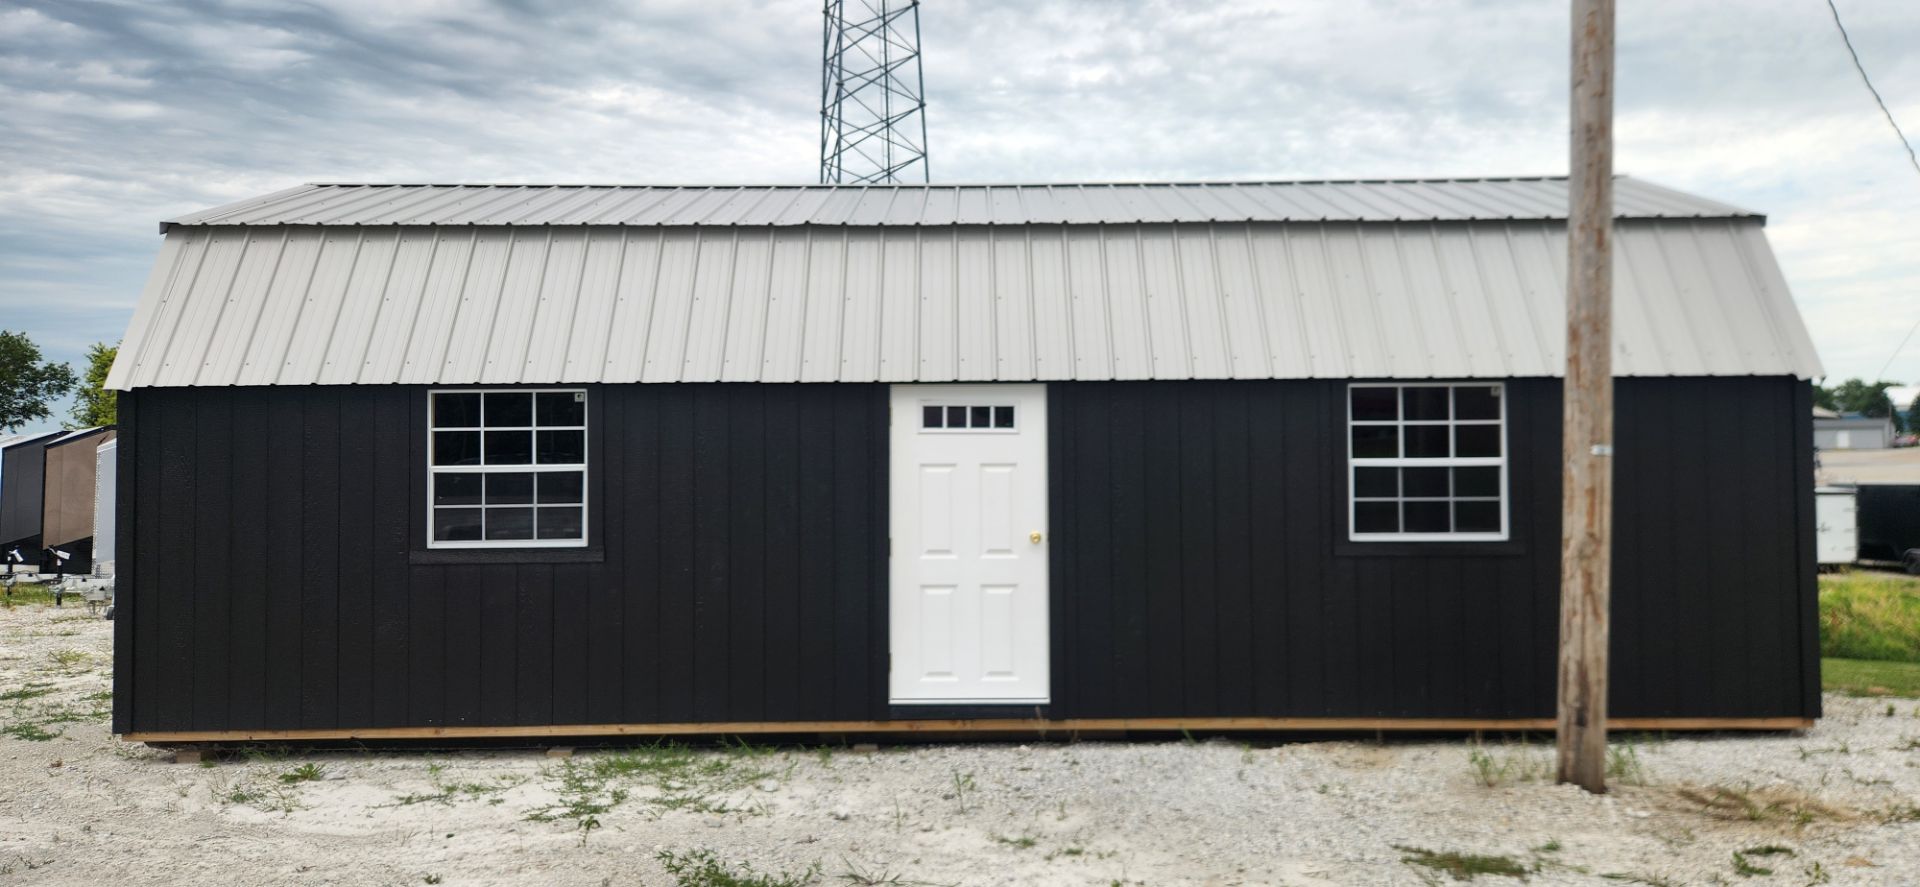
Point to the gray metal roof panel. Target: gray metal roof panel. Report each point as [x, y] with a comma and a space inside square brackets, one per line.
[398, 304]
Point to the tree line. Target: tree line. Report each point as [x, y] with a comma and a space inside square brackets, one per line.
[30, 384]
[1868, 399]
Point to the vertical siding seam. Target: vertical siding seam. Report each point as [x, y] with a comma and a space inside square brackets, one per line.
[613, 310]
[1185, 303]
[540, 298]
[1448, 291]
[1782, 345]
[726, 307]
[840, 328]
[1371, 287]
[466, 278]
[1033, 326]
[493, 317]
[1222, 295]
[653, 301]
[1625, 256]
[918, 297]
[579, 288]
[1258, 295]
[806, 293]
[386, 283]
[1493, 312]
[280, 360]
[1299, 301]
[1742, 344]
[1069, 298]
[226, 296]
[879, 308]
[253, 331]
[1336, 314]
[339, 304]
[766, 304]
[193, 280]
[994, 298]
[953, 300]
[1419, 328]
[1105, 295]
[1527, 307]
[1146, 301]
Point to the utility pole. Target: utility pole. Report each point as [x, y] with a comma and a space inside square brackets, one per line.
[1586, 512]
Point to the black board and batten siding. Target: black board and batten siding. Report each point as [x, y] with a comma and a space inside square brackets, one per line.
[277, 578]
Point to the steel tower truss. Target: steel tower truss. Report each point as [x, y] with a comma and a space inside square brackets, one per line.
[873, 110]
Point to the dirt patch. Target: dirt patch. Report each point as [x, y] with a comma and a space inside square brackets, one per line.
[80, 808]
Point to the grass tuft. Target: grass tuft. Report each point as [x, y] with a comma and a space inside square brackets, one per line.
[1464, 866]
[701, 868]
[1866, 677]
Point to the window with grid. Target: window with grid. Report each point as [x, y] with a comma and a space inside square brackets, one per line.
[1427, 462]
[507, 469]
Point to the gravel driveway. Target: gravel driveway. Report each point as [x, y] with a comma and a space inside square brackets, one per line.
[1838, 804]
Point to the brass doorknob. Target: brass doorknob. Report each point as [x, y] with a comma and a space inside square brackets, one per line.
[1034, 537]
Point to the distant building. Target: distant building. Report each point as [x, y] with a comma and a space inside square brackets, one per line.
[1850, 431]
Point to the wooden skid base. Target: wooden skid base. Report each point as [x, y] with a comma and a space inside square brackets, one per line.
[961, 725]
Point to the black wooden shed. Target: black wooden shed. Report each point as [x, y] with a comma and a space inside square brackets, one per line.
[440, 461]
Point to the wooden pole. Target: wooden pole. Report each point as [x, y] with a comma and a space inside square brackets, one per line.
[1586, 521]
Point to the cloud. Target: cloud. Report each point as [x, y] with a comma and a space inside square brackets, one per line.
[118, 113]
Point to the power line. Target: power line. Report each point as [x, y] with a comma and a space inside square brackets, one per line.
[1911, 157]
[1896, 352]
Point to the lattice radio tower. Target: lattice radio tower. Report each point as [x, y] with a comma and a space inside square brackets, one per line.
[873, 112]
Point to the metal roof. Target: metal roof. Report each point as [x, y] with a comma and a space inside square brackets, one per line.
[1426, 200]
[296, 305]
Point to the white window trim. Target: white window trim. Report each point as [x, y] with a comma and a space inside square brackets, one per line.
[1500, 461]
[586, 473]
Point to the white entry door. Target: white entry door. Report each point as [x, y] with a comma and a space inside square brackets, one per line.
[968, 510]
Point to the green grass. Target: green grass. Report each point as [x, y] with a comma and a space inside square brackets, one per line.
[700, 868]
[1869, 615]
[30, 593]
[1867, 677]
[1465, 866]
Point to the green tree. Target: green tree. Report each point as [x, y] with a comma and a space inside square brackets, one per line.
[95, 404]
[1855, 396]
[27, 383]
[1824, 399]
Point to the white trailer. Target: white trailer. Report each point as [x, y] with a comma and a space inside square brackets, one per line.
[1836, 526]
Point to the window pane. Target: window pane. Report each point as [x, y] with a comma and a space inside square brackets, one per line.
[510, 489]
[1426, 482]
[561, 447]
[509, 410]
[456, 411]
[1003, 417]
[456, 489]
[1476, 481]
[1371, 483]
[509, 523]
[1371, 404]
[1476, 440]
[930, 417]
[1376, 441]
[1426, 403]
[559, 487]
[1476, 402]
[956, 417]
[563, 408]
[1426, 441]
[982, 417]
[509, 447]
[560, 523]
[456, 524]
[1376, 517]
[1476, 517]
[1427, 517]
[456, 448]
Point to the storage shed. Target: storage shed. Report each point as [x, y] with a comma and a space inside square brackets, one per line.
[67, 508]
[438, 461]
[23, 466]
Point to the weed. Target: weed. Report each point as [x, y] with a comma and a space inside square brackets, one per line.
[1744, 866]
[1900, 813]
[445, 793]
[1816, 874]
[70, 659]
[1512, 765]
[1623, 765]
[303, 773]
[962, 785]
[1024, 842]
[30, 691]
[1551, 846]
[431, 879]
[1773, 805]
[678, 777]
[700, 868]
[30, 732]
[1648, 880]
[1464, 866]
[862, 877]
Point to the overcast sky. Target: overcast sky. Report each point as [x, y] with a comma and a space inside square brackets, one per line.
[114, 115]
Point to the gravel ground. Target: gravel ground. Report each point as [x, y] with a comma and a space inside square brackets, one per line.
[1838, 803]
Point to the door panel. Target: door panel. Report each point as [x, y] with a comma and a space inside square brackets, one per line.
[968, 578]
